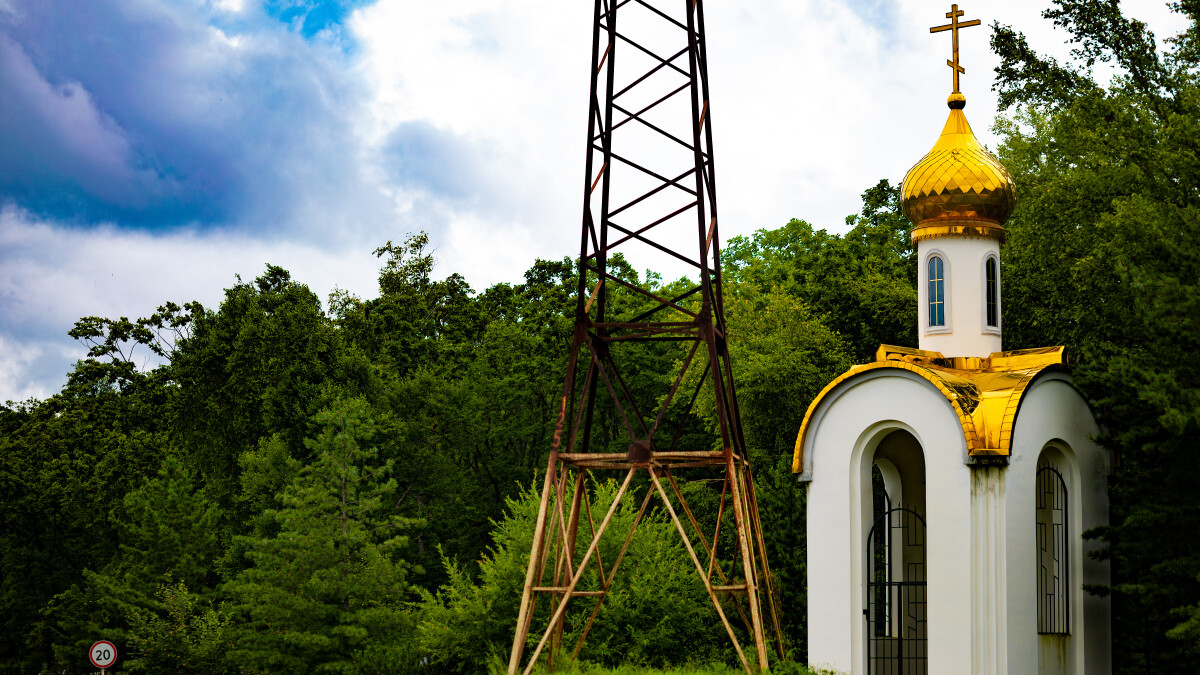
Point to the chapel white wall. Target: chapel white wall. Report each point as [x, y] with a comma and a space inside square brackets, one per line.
[1053, 412]
[840, 441]
[966, 332]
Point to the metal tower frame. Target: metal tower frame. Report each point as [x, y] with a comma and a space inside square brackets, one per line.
[630, 111]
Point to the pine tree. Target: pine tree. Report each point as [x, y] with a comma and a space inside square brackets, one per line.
[326, 593]
[166, 531]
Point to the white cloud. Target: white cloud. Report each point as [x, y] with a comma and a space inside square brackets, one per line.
[18, 380]
[813, 101]
[233, 6]
[52, 274]
[507, 77]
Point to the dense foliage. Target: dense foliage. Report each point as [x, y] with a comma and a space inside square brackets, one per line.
[298, 489]
[1105, 258]
[348, 487]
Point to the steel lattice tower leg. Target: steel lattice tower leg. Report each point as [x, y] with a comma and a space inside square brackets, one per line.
[650, 185]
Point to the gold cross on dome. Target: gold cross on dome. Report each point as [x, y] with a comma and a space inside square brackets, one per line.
[953, 27]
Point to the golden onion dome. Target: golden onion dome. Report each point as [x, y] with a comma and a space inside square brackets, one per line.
[958, 187]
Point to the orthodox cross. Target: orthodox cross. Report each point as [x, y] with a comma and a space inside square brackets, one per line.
[953, 27]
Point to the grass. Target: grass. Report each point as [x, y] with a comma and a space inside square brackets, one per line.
[778, 668]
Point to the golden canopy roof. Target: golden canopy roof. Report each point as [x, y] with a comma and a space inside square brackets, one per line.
[958, 187]
[985, 393]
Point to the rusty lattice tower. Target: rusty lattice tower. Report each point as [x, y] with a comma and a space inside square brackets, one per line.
[649, 192]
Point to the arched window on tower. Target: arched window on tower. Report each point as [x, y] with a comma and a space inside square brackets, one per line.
[992, 291]
[1053, 564]
[937, 292]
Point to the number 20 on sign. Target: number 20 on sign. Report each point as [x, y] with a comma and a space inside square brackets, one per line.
[103, 654]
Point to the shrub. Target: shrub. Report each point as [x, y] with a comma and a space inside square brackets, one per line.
[656, 613]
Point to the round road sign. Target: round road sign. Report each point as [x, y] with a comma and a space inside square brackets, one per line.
[103, 654]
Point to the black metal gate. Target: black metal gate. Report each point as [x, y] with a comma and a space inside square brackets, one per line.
[896, 594]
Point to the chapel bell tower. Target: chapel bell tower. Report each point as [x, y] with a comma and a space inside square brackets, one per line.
[958, 197]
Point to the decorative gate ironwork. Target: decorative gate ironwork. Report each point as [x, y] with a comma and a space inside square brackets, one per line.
[896, 594]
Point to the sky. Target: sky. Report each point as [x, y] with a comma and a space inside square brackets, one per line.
[156, 150]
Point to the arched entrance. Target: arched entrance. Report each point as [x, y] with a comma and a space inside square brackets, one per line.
[1053, 580]
[895, 589]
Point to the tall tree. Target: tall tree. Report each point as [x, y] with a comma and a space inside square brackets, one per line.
[66, 464]
[1103, 258]
[167, 533]
[261, 364]
[326, 593]
[416, 321]
[861, 284]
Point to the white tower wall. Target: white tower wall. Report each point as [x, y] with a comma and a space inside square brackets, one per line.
[965, 332]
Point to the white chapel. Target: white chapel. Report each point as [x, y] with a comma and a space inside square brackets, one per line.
[949, 486]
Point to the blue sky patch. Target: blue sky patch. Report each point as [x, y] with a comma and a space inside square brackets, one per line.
[311, 17]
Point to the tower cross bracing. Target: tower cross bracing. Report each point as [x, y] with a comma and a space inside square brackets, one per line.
[649, 193]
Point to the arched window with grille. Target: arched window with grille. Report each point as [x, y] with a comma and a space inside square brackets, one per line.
[1053, 560]
[992, 291]
[937, 291]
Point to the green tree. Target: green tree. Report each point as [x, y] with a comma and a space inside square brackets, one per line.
[262, 364]
[66, 464]
[1103, 258]
[656, 613]
[468, 437]
[327, 592]
[468, 389]
[861, 284]
[416, 321]
[166, 534]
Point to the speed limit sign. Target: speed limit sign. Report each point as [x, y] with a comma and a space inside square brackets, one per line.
[103, 654]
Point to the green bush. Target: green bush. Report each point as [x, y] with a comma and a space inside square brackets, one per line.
[656, 613]
[784, 668]
[185, 637]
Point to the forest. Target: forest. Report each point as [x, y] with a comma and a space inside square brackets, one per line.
[348, 484]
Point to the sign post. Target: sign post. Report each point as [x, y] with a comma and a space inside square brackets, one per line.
[103, 654]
